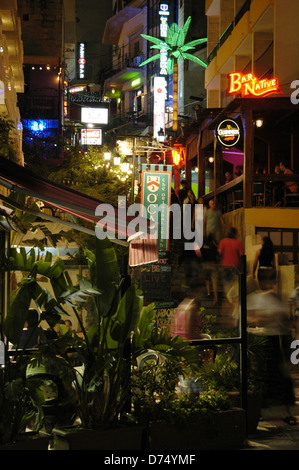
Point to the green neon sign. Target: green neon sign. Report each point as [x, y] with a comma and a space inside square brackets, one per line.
[135, 82]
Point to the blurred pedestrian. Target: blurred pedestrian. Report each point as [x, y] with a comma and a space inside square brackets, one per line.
[291, 186]
[228, 177]
[183, 192]
[210, 259]
[267, 316]
[213, 221]
[264, 261]
[231, 249]
[294, 306]
[278, 192]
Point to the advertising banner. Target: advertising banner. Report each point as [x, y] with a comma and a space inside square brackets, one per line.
[156, 193]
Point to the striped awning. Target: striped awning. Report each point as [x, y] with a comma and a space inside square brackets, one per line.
[20, 179]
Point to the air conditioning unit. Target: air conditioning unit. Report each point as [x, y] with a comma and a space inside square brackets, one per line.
[137, 61]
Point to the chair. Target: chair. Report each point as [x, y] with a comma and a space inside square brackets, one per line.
[258, 194]
[237, 198]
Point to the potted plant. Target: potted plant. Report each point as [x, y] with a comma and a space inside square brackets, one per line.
[175, 421]
[223, 374]
[124, 328]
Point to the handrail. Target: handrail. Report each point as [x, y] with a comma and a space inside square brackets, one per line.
[241, 339]
[222, 189]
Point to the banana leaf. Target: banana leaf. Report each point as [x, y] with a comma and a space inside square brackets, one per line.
[127, 315]
[17, 313]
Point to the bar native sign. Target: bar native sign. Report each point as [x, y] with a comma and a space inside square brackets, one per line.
[250, 85]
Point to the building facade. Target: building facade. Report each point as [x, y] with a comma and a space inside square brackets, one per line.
[251, 80]
[11, 69]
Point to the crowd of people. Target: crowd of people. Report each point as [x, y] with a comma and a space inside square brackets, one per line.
[216, 266]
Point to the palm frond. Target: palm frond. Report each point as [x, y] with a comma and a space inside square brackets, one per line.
[150, 59]
[172, 35]
[151, 39]
[192, 44]
[170, 64]
[185, 55]
[183, 32]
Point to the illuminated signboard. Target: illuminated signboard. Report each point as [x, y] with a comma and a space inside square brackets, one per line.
[76, 89]
[81, 60]
[40, 125]
[249, 85]
[159, 106]
[164, 13]
[91, 136]
[94, 115]
[228, 132]
[135, 82]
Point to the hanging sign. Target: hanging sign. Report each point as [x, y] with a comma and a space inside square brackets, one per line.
[91, 136]
[250, 85]
[163, 13]
[228, 132]
[156, 192]
[81, 66]
[159, 106]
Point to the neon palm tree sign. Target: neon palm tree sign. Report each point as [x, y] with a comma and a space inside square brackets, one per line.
[176, 49]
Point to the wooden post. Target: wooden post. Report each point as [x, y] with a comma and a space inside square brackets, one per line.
[248, 168]
[201, 165]
[217, 165]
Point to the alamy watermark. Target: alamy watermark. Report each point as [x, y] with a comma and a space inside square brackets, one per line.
[2, 354]
[151, 221]
[295, 354]
[295, 95]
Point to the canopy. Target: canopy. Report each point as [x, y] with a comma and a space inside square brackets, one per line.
[20, 179]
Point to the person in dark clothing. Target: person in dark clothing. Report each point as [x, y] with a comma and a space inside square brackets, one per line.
[265, 261]
[30, 337]
[210, 259]
[183, 192]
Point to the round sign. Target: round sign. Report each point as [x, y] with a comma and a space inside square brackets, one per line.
[228, 132]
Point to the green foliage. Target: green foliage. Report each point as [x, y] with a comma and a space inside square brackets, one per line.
[222, 374]
[175, 46]
[189, 409]
[88, 173]
[7, 144]
[123, 330]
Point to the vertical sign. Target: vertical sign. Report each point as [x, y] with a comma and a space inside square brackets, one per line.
[156, 192]
[159, 106]
[164, 13]
[81, 66]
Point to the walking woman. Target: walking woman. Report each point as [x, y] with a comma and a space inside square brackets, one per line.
[265, 262]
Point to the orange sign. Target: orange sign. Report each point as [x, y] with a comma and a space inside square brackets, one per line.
[249, 85]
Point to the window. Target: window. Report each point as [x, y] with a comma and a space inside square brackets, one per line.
[285, 241]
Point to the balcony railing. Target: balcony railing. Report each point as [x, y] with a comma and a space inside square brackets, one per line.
[128, 61]
[267, 191]
[245, 7]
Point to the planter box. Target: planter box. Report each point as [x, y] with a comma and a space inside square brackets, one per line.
[223, 430]
[77, 438]
[254, 405]
[28, 441]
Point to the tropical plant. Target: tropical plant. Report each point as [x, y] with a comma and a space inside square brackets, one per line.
[123, 329]
[7, 142]
[174, 45]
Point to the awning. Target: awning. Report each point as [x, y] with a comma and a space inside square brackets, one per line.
[20, 179]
